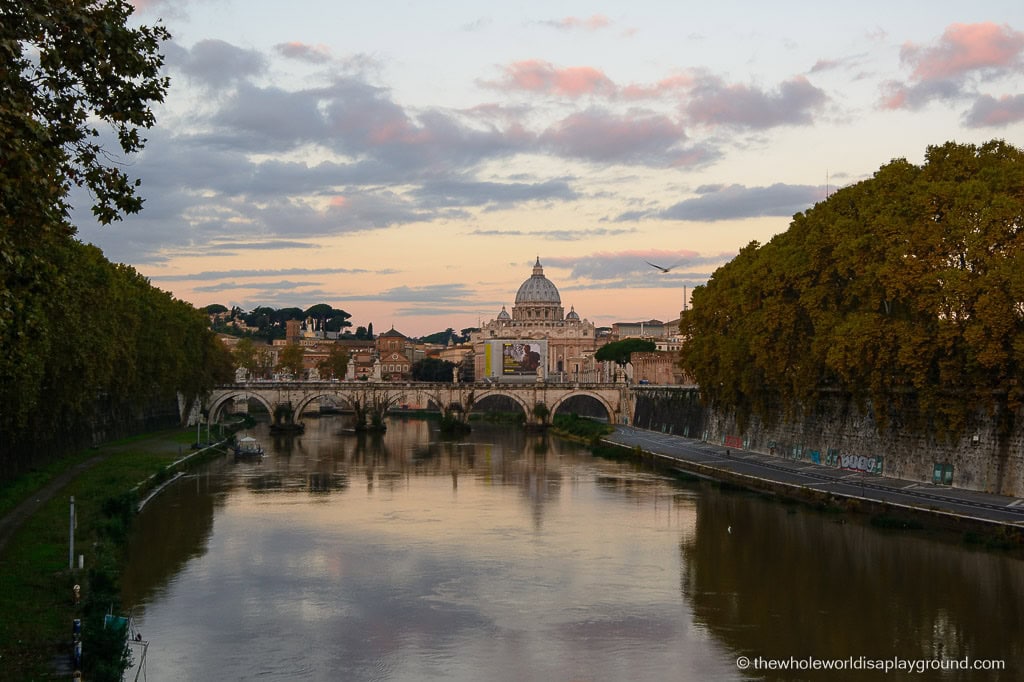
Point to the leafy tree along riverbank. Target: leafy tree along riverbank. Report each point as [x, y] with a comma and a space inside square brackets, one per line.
[904, 292]
[85, 342]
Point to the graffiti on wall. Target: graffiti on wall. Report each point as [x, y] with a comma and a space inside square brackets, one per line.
[868, 465]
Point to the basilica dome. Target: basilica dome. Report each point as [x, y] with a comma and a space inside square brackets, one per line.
[538, 289]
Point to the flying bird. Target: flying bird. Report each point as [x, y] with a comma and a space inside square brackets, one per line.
[663, 269]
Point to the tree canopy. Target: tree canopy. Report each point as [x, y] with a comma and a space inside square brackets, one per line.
[905, 290]
[619, 351]
[67, 67]
[335, 365]
[432, 369]
[329, 318]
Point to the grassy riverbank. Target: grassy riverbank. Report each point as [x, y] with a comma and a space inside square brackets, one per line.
[580, 429]
[35, 581]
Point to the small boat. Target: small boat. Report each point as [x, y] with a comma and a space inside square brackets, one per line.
[248, 447]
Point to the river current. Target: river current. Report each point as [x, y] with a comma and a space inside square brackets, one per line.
[508, 555]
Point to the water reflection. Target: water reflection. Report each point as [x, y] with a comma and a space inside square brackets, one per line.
[510, 556]
[776, 581]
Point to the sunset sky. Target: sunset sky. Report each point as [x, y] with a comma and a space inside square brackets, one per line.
[408, 161]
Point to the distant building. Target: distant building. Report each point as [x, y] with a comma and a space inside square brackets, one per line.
[651, 329]
[394, 349]
[538, 315]
[656, 367]
[292, 331]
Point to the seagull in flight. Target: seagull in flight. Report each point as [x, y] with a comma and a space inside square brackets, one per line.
[663, 269]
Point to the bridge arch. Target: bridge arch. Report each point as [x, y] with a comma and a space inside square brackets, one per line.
[599, 399]
[300, 408]
[527, 409]
[219, 401]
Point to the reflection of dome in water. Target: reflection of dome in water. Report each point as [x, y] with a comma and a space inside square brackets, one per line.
[538, 289]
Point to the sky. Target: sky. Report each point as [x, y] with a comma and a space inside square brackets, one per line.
[408, 162]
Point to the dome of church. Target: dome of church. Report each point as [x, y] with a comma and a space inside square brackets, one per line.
[503, 315]
[538, 289]
[573, 315]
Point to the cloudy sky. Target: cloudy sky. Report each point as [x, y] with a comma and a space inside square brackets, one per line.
[408, 161]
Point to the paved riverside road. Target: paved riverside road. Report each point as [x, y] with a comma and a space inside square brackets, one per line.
[707, 459]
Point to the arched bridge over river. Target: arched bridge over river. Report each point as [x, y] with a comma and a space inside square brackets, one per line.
[287, 400]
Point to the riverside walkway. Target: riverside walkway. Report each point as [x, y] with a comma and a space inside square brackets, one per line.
[768, 472]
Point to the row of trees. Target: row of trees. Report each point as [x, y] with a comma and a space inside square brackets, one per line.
[84, 341]
[269, 323]
[904, 292]
[105, 347]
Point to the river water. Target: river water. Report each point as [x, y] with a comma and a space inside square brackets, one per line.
[513, 556]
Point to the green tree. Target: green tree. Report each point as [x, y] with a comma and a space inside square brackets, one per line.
[440, 338]
[244, 354]
[290, 359]
[264, 361]
[619, 351]
[68, 67]
[432, 369]
[68, 72]
[902, 291]
[335, 365]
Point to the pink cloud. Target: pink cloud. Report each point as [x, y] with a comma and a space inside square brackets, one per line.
[592, 23]
[896, 98]
[964, 48]
[665, 86]
[945, 70]
[540, 76]
[316, 54]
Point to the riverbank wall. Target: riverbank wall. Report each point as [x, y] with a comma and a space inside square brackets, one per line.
[840, 435]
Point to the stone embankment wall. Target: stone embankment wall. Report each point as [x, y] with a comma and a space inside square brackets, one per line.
[839, 435]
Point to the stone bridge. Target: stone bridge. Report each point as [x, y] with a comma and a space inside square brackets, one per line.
[287, 400]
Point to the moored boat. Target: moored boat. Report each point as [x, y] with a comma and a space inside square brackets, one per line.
[247, 447]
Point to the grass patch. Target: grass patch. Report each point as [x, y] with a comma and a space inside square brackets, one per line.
[35, 581]
[13, 493]
[581, 428]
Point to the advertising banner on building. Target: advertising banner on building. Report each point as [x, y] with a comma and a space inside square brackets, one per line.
[515, 360]
[521, 358]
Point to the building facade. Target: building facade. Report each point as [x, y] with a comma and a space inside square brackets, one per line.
[538, 314]
[393, 352]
